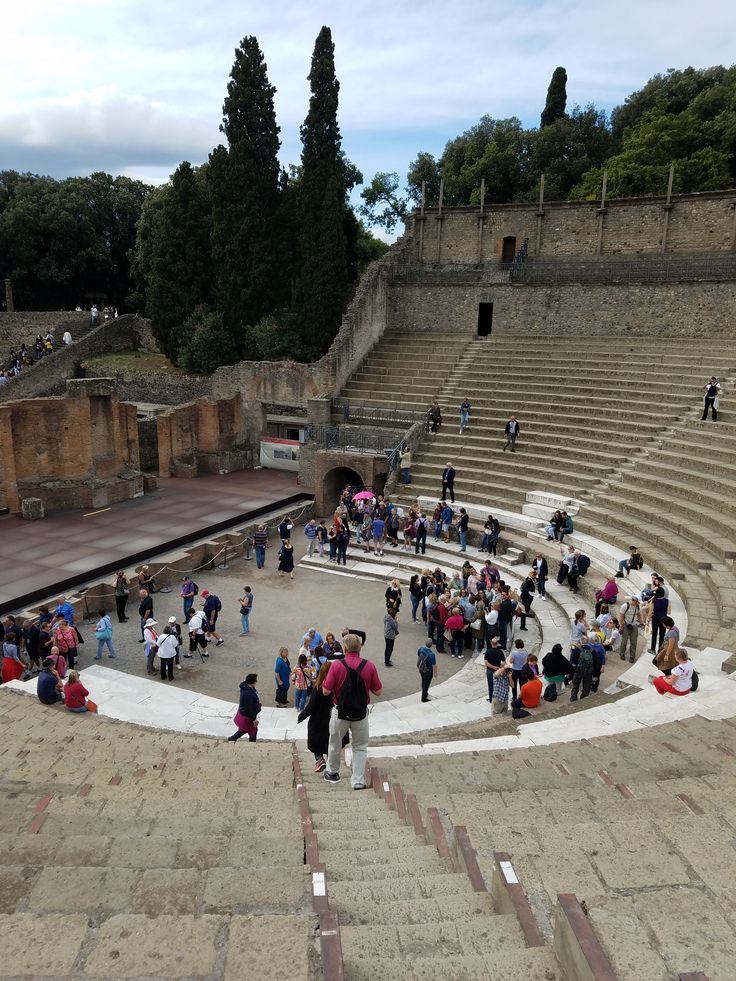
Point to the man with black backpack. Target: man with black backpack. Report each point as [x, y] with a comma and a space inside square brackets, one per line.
[212, 608]
[350, 681]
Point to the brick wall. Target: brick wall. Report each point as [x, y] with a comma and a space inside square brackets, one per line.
[80, 450]
[208, 436]
[696, 223]
[684, 309]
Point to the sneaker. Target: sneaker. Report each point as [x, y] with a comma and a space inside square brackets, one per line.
[220, 641]
[320, 766]
[205, 654]
[332, 777]
[359, 786]
[187, 655]
[178, 667]
[98, 657]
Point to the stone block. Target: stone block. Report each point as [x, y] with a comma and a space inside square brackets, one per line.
[252, 942]
[168, 891]
[90, 889]
[32, 508]
[261, 891]
[167, 947]
[150, 483]
[15, 884]
[37, 948]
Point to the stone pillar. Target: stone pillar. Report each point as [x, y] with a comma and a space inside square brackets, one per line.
[9, 304]
[481, 219]
[319, 412]
[602, 213]
[540, 216]
[439, 222]
[733, 228]
[667, 208]
[32, 508]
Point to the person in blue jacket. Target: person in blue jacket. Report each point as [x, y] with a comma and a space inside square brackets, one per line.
[282, 677]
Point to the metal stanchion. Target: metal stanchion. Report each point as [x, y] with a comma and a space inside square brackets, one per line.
[223, 564]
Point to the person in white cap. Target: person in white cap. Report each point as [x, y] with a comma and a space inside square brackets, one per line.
[150, 641]
[176, 629]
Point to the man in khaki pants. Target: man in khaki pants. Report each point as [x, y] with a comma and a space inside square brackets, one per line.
[351, 681]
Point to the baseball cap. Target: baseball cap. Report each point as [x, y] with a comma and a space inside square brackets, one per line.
[205, 593]
[172, 619]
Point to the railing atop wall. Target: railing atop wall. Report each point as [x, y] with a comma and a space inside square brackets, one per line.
[356, 441]
[575, 269]
[384, 416]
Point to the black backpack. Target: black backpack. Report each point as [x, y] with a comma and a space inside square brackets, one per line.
[583, 564]
[694, 681]
[196, 587]
[352, 702]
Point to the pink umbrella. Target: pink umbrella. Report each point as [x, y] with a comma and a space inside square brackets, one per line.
[364, 496]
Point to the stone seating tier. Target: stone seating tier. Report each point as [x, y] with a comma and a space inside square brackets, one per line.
[635, 825]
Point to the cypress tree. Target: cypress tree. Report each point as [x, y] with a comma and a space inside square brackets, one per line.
[245, 186]
[324, 273]
[178, 270]
[554, 107]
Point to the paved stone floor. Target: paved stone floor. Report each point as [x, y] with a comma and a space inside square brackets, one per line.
[283, 610]
[70, 545]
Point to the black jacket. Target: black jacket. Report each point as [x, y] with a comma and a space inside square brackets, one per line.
[250, 703]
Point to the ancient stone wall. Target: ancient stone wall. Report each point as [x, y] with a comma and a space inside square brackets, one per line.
[79, 450]
[208, 436]
[691, 223]
[136, 384]
[24, 326]
[49, 376]
[668, 309]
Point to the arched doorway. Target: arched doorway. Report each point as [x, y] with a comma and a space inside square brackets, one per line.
[335, 481]
[379, 483]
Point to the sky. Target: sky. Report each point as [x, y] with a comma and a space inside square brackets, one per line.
[136, 86]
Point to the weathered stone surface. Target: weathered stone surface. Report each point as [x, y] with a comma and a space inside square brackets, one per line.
[93, 889]
[251, 942]
[164, 947]
[50, 951]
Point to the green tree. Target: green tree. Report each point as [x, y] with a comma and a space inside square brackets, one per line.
[178, 276]
[566, 149]
[324, 269]
[384, 205]
[554, 107]
[245, 191]
[207, 343]
[424, 170]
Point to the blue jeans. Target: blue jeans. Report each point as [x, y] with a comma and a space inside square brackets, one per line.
[82, 708]
[101, 646]
[414, 606]
[463, 539]
[260, 556]
[405, 475]
[244, 626]
[464, 417]
[188, 603]
[300, 698]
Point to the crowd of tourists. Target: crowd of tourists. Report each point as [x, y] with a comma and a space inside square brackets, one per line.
[25, 357]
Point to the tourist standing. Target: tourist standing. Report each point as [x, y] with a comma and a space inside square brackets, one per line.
[318, 710]
[103, 633]
[350, 681]
[405, 464]
[462, 529]
[285, 529]
[246, 608]
[150, 640]
[188, 592]
[145, 610]
[542, 572]
[122, 594]
[631, 621]
[310, 531]
[390, 633]
[710, 399]
[168, 647]
[197, 634]
[302, 679]
[282, 677]
[448, 483]
[212, 607]
[286, 558]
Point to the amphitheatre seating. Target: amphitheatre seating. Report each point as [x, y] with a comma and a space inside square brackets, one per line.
[640, 828]
[132, 853]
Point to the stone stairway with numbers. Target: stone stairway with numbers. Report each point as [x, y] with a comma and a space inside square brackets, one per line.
[405, 909]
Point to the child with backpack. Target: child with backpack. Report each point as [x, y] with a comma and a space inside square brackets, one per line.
[302, 678]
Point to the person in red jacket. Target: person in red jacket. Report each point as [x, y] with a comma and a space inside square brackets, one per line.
[75, 694]
[455, 623]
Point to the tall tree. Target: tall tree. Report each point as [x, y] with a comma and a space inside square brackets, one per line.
[179, 273]
[245, 190]
[324, 272]
[554, 107]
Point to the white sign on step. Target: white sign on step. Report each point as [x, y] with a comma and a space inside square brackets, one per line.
[318, 884]
[385, 787]
[508, 873]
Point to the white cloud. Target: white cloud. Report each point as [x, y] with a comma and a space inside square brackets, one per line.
[137, 86]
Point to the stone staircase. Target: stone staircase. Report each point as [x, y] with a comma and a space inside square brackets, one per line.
[641, 828]
[407, 906]
[129, 853]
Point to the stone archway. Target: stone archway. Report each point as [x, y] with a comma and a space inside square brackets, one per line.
[335, 480]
